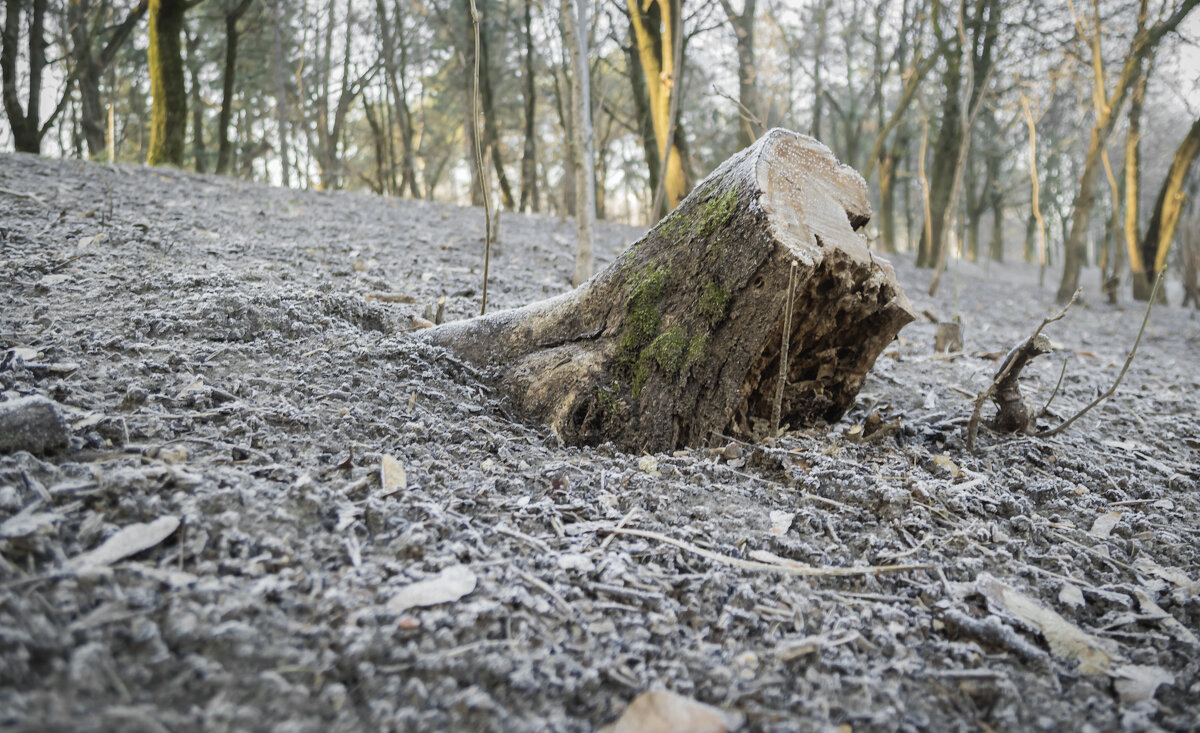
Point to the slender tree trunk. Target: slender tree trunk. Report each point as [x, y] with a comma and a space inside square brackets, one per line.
[1131, 228]
[743, 34]
[575, 24]
[887, 203]
[822, 11]
[529, 187]
[281, 100]
[193, 66]
[224, 154]
[657, 25]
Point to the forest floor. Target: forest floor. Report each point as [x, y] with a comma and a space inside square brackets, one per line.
[225, 367]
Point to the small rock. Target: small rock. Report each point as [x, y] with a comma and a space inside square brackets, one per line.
[31, 424]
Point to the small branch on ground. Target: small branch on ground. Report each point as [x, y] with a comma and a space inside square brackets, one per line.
[1006, 378]
[1128, 360]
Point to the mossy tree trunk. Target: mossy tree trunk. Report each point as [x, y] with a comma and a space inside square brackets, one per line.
[168, 116]
[682, 336]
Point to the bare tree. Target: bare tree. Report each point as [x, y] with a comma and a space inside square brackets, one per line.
[574, 17]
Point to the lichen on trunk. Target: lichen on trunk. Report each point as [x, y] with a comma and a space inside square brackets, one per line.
[680, 337]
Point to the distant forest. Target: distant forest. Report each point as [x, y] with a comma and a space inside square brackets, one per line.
[1060, 132]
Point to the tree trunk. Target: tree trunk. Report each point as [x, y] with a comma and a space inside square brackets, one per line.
[684, 335]
[1143, 43]
[743, 36]
[1191, 265]
[281, 105]
[168, 117]
[193, 67]
[574, 19]
[657, 26]
[491, 135]
[529, 189]
[1168, 205]
[224, 152]
[25, 123]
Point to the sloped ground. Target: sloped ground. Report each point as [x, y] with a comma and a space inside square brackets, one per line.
[212, 347]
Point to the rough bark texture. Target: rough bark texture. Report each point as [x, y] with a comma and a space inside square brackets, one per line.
[680, 337]
[168, 124]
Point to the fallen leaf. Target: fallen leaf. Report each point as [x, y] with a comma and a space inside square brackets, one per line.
[449, 585]
[1103, 526]
[27, 525]
[55, 279]
[1070, 595]
[649, 464]
[1175, 576]
[419, 322]
[1169, 622]
[944, 461]
[127, 541]
[391, 475]
[196, 385]
[781, 522]
[659, 711]
[1137, 682]
[1065, 639]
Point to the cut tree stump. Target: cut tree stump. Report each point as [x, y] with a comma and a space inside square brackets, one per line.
[680, 338]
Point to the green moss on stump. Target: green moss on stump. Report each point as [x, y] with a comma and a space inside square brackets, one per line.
[642, 319]
[714, 302]
[718, 212]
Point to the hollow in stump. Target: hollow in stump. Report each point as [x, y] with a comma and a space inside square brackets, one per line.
[681, 337]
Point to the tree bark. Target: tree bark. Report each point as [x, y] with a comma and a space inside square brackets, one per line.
[224, 149]
[529, 188]
[281, 102]
[25, 124]
[743, 35]
[168, 116]
[1168, 205]
[574, 26]
[656, 26]
[682, 336]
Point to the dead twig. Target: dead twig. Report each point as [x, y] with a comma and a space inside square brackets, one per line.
[1062, 373]
[791, 568]
[1007, 367]
[1124, 368]
[23, 195]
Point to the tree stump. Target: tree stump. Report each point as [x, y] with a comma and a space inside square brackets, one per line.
[682, 336]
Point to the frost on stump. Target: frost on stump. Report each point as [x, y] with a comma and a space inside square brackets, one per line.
[681, 336]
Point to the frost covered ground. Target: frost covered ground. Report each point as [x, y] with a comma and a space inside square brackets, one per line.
[233, 382]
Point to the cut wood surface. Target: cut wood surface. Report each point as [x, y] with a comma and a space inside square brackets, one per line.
[681, 336]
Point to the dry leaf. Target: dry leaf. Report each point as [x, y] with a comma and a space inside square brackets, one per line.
[1065, 639]
[449, 585]
[1103, 526]
[128, 541]
[391, 475]
[419, 322]
[944, 461]
[1169, 622]
[649, 464]
[1175, 576]
[781, 522]
[54, 279]
[26, 525]
[659, 711]
[1137, 682]
[1070, 595]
